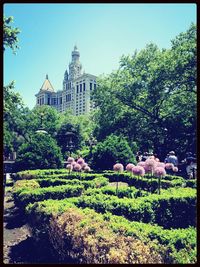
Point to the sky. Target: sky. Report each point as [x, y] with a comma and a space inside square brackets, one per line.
[102, 33]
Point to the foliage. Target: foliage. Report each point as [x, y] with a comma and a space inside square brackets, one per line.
[174, 208]
[50, 120]
[129, 192]
[27, 196]
[68, 132]
[10, 34]
[174, 240]
[89, 239]
[112, 149]
[14, 114]
[31, 174]
[81, 125]
[14, 111]
[145, 183]
[152, 93]
[41, 152]
[22, 185]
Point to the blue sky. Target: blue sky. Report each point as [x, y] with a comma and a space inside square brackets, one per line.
[102, 33]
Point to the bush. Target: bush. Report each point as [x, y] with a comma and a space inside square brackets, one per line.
[175, 241]
[41, 152]
[146, 182]
[19, 186]
[122, 191]
[24, 197]
[113, 149]
[174, 208]
[33, 174]
[89, 239]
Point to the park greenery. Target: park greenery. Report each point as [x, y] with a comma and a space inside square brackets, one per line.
[153, 228]
[149, 103]
[117, 211]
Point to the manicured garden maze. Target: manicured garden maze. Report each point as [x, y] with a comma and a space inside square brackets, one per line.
[84, 218]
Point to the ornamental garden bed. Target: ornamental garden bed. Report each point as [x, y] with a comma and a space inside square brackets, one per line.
[84, 217]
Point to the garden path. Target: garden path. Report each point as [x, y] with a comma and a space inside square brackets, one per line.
[18, 244]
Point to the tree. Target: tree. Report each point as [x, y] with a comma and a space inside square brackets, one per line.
[14, 114]
[48, 116]
[112, 150]
[10, 34]
[41, 152]
[152, 93]
[13, 107]
[67, 135]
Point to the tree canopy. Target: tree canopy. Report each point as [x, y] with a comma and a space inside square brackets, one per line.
[10, 34]
[152, 94]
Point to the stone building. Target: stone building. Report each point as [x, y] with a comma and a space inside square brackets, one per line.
[76, 92]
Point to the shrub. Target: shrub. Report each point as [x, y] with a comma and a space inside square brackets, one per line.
[111, 150]
[22, 198]
[130, 192]
[94, 242]
[145, 183]
[175, 241]
[174, 208]
[19, 186]
[41, 152]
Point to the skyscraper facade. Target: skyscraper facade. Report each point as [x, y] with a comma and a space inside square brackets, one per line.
[75, 95]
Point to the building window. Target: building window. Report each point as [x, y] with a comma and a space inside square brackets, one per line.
[38, 101]
[48, 101]
[80, 88]
[95, 86]
[54, 101]
[90, 86]
[84, 87]
[68, 97]
[61, 100]
[77, 89]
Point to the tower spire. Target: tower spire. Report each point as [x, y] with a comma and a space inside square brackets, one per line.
[47, 76]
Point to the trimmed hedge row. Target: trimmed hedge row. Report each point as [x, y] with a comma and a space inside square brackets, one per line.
[145, 183]
[25, 191]
[28, 175]
[174, 208]
[130, 192]
[32, 174]
[25, 196]
[96, 182]
[180, 244]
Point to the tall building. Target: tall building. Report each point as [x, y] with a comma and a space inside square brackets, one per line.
[76, 92]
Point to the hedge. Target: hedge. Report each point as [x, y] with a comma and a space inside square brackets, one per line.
[145, 183]
[180, 244]
[26, 196]
[95, 183]
[25, 191]
[55, 174]
[172, 209]
[130, 192]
